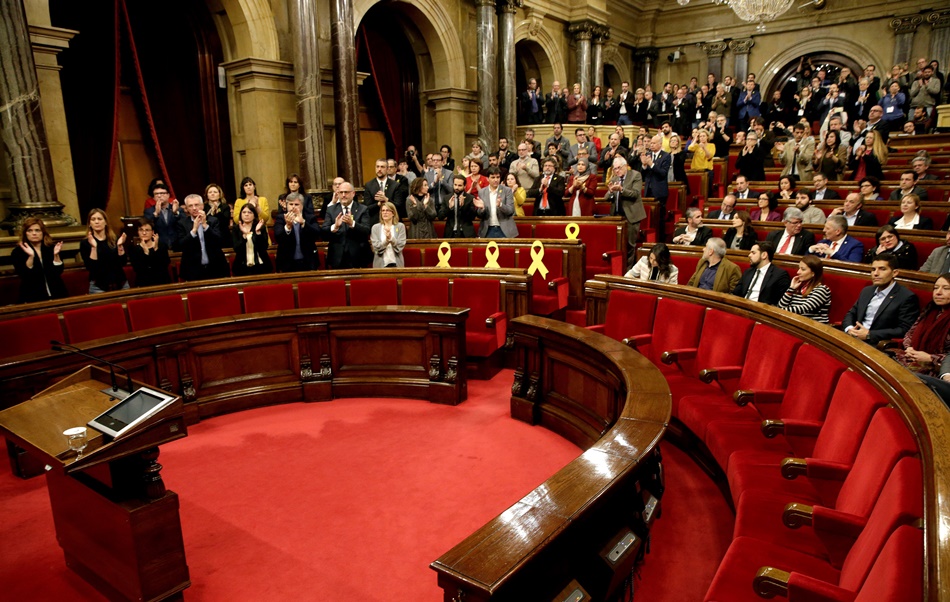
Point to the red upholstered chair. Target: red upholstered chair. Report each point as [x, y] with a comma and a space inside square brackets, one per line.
[77, 282]
[269, 297]
[722, 344]
[506, 257]
[96, 322]
[425, 291]
[29, 335]
[155, 312]
[763, 380]
[321, 293]
[853, 404]
[525, 230]
[676, 325]
[439, 227]
[412, 257]
[214, 303]
[628, 315]
[373, 291]
[602, 255]
[549, 294]
[486, 327]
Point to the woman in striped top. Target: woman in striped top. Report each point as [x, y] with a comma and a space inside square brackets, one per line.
[807, 296]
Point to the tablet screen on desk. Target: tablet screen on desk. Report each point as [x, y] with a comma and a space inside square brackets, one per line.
[132, 410]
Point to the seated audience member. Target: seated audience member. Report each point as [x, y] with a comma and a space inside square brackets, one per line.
[495, 206]
[656, 266]
[767, 209]
[727, 209]
[347, 228]
[786, 187]
[751, 160]
[920, 164]
[37, 263]
[149, 257]
[870, 189]
[103, 255]
[821, 192]
[868, 157]
[806, 295]
[910, 217]
[715, 272]
[250, 197]
[853, 213]
[581, 189]
[217, 206]
[694, 232]
[548, 190]
[939, 260]
[296, 238]
[388, 237]
[741, 236]
[927, 343]
[459, 209]
[837, 244]
[762, 282]
[250, 240]
[885, 310]
[793, 239]
[201, 255]
[741, 188]
[164, 216]
[908, 186]
[889, 241]
[810, 214]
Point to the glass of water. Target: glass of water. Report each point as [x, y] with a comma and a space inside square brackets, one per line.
[76, 438]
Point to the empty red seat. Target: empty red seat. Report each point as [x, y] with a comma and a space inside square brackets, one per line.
[29, 335]
[425, 291]
[155, 312]
[525, 230]
[96, 322]
[676, 325]
[486, 327]
[412, 257]
[548, 293]
[322, 293]
[373, 291]
[506, 257]
[269, 297]
[214, 303]
[77, 282]
[628, 314]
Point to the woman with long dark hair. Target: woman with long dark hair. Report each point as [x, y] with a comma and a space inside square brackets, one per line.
[250, 244]
[656, 266]
[807, 295]
[37, 263]
[249, 188]
[927, 342]
[103, 254]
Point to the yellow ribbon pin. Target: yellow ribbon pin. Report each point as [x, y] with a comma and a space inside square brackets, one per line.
[572, 230]
[445, 253]
[537, 254]
[491, 255]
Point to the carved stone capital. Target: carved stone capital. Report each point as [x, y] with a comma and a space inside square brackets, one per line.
[534, 18]
[939, 19]
[906, 24]
[743, 46]
[509, 6]
[583, 30]
[481, 3]
[713, 49]
[601, 34]
[647, 53]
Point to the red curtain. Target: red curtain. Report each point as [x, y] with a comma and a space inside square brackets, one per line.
[386, 75]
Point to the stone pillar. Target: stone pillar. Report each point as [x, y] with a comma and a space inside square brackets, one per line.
[454, 109]
[22, 128]
[487, 68]
[507, 94]
[741, 49]
[904, 29]
[582, 32]
[940, 37]
[714, 52]
[601, 35]
[309, 95]
[647, 56]
[346, 104]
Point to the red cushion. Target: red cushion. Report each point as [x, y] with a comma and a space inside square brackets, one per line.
[425, 291]
[321, 293]
[269, 297]
[155, 312]
[29, 335]
[77, 282]
[412, 257]
[214, 303]
[482, 297]
[628, 314]
[96, 322]
[373, 291]
[897, 573]
[723, 437]
[525, 230]
[676, 325]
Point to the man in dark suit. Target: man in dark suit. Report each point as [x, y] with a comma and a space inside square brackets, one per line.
[821, 191]
[402, 185]
[612, 150]
[296, 237]
[548, 191]
[624, 193]
[885, 310]
[793, 240]
[531, 104]
[853, 213]
[200, 243]
[763, 281]
[347, 227]
[727, 210]
[694, 232]
[379, 190]
[555, 105]
[458, 211]
[908, 186]
[837, 244]
[741, 188]
[656, 165]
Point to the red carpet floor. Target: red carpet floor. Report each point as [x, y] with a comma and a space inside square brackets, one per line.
[351, 500]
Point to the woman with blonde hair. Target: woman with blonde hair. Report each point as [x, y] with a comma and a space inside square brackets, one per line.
[388, 237]
[103, 255]
[869, 157]
[217, 205]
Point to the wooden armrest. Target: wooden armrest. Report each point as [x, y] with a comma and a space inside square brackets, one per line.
[637, 339]
[553, 283]
[770, 582]
[675, 355]
[759, 397]
[890, 344]
[498, 316]
[771, 428]
[608, 254]
[793, 467]
[710, 374]
[797, 515]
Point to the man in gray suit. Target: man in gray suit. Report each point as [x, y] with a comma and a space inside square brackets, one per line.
[525, 167]
[939, 260]
[582, 142]
[440, 182]
[797, 154]
[623, 191]
[495, 206]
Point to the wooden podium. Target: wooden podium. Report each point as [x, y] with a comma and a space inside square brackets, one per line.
[118, 526]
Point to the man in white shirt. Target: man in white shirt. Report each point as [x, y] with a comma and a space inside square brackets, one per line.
[741, 189]
[793, 240]
[908, 185]
[763, 281]
[821, 191]
[495, 206]
[694, 232]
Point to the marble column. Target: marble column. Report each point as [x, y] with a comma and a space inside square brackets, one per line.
[741, 49]
[904, 29]
[21, 125]
[346, 106]
[647, 57]
[507, 93]
[309, 95]
[487, 68]
[601, 35]
[582, 32]
[940, 37]
[714, 52]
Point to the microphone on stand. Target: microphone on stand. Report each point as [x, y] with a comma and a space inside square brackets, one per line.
[114, 391]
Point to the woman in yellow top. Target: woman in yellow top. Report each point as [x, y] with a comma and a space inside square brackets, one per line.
[251, 198]
[703, 152]
[517, 192]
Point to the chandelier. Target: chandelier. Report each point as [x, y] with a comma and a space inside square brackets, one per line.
[754, 10]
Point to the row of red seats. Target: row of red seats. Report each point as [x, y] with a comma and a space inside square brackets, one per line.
[823, 476]
[485, 333]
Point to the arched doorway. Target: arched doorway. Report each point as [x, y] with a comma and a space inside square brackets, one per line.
[612, 79]
[786, 77]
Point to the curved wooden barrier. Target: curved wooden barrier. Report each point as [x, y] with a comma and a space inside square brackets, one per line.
[924, 414]
[558, 539]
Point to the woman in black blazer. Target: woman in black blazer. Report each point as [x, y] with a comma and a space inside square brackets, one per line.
[740, 236]
[37, 263]
[250, 244]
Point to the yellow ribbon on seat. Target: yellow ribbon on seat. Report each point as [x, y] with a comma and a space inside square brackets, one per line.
[445, 253]
[491, 255]
[537, 255]
[572, 230]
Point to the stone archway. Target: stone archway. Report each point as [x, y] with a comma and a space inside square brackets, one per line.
[249, 30]
[857, 51]
[612, 78]
[621, 68]
[545, 51]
